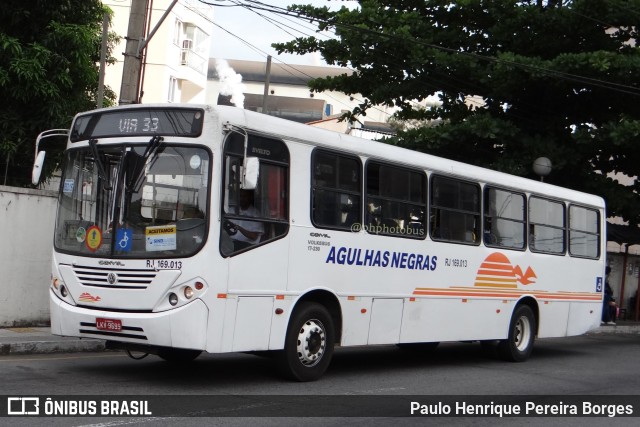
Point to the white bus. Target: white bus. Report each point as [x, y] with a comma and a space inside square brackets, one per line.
[183, 229]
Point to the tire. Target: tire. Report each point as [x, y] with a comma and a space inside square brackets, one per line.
[178, 355]
[309, 343]
[522, 329]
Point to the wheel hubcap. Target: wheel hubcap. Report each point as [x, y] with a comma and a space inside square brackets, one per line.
[311, 342]
[522, 333]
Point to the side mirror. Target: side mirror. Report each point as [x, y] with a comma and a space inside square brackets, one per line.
[36, 172]
[251, 168]
[37, 168]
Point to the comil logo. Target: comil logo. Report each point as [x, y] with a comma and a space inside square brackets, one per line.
[497, 271]
[23, 406]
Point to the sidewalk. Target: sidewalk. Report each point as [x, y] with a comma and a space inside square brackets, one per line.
[38, 340]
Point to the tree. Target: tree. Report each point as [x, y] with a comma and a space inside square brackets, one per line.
[517, 80]
[49, 63]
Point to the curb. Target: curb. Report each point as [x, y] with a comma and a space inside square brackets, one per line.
[616, 330]
[47, 347]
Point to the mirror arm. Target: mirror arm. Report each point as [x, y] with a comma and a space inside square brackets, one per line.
[228, 127]
[38, 161]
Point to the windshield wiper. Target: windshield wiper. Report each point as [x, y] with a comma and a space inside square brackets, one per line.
[106, 184]
[135, 172]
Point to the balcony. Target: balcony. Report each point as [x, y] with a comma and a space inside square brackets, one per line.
[192, 59]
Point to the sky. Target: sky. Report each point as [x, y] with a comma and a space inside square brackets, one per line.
[260, 33]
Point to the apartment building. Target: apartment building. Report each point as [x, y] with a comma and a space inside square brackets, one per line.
[175, 66]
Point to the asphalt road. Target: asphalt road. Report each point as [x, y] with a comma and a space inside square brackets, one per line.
[368, 380]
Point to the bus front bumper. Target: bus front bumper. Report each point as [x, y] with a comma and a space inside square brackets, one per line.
[183, 327]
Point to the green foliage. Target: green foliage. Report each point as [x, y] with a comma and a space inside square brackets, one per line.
[516, 79]
[49, 63]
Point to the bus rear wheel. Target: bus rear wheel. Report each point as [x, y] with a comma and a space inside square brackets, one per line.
[308, 344]
[522, 329]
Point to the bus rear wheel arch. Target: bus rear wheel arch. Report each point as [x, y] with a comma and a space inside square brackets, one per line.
[518, 345]
[309, 343]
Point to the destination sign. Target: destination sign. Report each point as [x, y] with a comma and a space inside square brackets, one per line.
[185, 122]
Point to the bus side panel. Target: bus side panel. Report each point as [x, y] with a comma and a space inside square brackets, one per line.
[262, 270]
[554, 318]
[229, 323]
[583, 317]
[259, 272]
[216, 326]
[455, 319]
[386, 320]
[280, 322]
[253, 323]
[356, 314]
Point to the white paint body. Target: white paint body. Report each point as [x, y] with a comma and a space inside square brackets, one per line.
[379, 304]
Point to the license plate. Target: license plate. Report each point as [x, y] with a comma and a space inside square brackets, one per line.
[108, 324]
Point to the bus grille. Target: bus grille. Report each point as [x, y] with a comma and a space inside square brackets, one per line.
[131, 332]
[99, 277]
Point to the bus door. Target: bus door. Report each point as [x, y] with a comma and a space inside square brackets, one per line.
[254, 222]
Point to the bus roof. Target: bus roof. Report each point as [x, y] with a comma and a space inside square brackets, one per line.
[292, 131]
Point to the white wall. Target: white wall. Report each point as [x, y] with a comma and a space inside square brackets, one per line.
[27, 220]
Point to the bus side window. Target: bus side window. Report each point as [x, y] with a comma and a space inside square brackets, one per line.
[335, 190]
[396, 200]
[504, 218]
[455, 210]
[548, 218]
[584, 232]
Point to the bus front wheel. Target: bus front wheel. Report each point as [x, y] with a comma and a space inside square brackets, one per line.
[522, 329]
[308, 344]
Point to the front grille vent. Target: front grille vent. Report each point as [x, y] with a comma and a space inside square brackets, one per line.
[100, 277]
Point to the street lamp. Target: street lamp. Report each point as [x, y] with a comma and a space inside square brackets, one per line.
[542, 167]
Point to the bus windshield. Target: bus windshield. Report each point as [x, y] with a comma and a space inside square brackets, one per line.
[125, 202]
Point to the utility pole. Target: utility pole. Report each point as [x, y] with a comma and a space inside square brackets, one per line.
[132, 56]
[267, 77]
[136, 44]
[103, 59]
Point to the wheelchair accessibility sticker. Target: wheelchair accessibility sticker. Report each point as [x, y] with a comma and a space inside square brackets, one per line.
[124, 239]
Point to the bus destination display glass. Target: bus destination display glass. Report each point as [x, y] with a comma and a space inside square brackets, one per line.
[138, 122]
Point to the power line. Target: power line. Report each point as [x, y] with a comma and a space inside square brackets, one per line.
[300, 72]
[275, 22]
[622, 88]
[255, 6]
